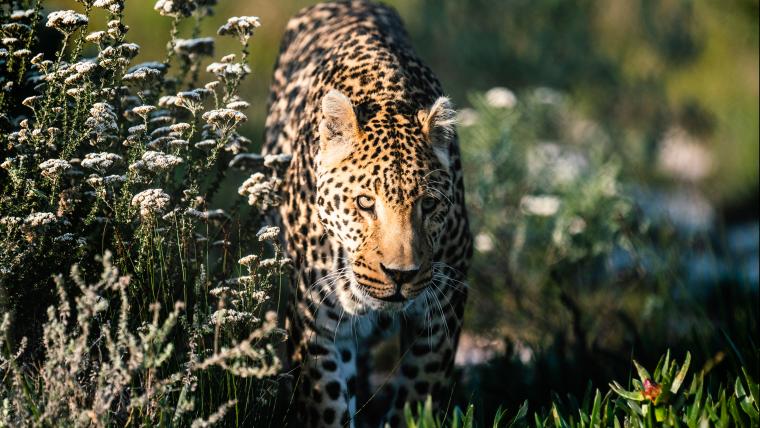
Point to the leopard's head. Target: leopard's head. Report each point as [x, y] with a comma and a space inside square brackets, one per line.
[384, 187]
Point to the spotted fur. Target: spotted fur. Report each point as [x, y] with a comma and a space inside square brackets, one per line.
[373, 215]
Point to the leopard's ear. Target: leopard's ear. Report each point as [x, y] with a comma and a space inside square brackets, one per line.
[438, 126]
[338, 128]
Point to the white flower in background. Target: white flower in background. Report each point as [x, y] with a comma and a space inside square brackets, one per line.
[143, 110]
[240, 26]
[224, 118]
[102, 123]
[203, 46]
[22, 14]
[96, 36]
[238, 105]
[52, 168]
[261, 191]
[113, 6]
[561, 164]
[683, 157]
[544, 205]
[228, 72]
[11, 222]
[151, 202]
[231, 316]
[143, 75]
[483, 243]
[249, 260]
[280, 161]
[39, 219]
[577, 225]
[217, 214]
[21, 53]
[268, 233]
[100, 161]
[155, 161]
[467, 117]
[500, 97]
[66, 21]
[175, 8]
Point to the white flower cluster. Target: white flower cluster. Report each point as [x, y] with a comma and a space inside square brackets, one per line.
[217, 214]
[277, 162]
[231, 316]
[240, 26]
[262, 192]
[249, 260]
[143, 110]
[97, 181]
[151, 202]
[540, 205]
[238, 104]
[191, 48]
[52, 168]
[102, 123]
[268, 233]
[113, 6]
[39, 219]
[143, 75]
[100, 162]
[66, 21]
[156, 161]
[229, 72]
[501, 97]
[175, 8]
[224, 119]
[193, 100]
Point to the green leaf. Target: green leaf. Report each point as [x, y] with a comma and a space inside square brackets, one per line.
[737, 418]
[754, 388]
[643, 373]
[498, 417]
[521, 413]
[468, 417]
[681, 375]
[659, 414]
[630, 395]
[559, 422]
[596, 410]
[410, 421]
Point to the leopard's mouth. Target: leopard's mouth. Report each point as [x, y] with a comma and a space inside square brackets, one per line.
[364, 301]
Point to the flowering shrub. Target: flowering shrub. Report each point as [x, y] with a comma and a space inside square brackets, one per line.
[103, 156]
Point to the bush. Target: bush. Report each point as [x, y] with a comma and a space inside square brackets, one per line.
[105, 157]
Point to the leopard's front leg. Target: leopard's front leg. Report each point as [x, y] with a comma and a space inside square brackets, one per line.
[325, 389]
[429, 340]
[326, 384]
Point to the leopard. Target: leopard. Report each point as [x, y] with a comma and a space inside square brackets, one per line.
[372, 215]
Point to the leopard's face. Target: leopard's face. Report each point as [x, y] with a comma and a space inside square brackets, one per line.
[384, 190]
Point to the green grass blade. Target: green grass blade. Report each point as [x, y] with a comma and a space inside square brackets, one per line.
[596, 410]
[681, 375]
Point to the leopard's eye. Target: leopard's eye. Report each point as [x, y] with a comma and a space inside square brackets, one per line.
[429, 204]
[365, 203]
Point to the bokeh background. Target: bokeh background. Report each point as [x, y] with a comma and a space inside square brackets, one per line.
[611, 151]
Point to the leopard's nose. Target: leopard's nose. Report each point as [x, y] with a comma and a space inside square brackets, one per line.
[400, 276]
